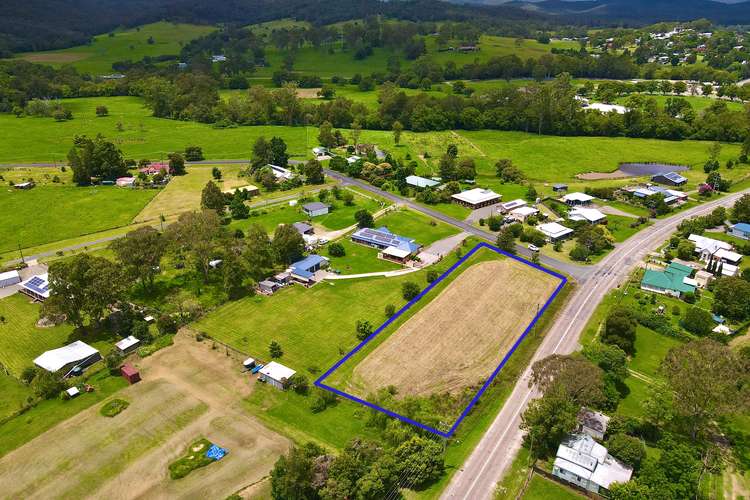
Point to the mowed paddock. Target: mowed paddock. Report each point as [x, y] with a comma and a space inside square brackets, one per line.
[460, 337]
[188, 391]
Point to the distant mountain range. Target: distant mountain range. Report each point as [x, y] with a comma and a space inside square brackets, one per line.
[633, 12]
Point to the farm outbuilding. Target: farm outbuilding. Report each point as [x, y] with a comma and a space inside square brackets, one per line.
[130, 374]
[268, 287]
[127, 345]
[305, 269]
[741, 230]
[9, 278]
[670, 179]
[65, 360]
[303, 228]
[315, 208]
[276, 374]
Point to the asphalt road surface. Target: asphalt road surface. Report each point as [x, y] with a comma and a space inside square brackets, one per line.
[496, 451]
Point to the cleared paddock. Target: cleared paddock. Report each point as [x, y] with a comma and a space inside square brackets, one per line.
[459, 338]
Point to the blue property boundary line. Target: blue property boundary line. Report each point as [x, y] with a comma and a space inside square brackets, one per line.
[475, 399]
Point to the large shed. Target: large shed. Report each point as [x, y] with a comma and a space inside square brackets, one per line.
[65, 360]
[9, 278]
[276, 374]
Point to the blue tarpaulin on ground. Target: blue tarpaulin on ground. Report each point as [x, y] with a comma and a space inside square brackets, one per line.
[216, 452]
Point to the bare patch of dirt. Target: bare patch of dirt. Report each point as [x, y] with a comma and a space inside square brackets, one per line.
[308, 93]
[61, 58]
[599, 176]
[462, 335]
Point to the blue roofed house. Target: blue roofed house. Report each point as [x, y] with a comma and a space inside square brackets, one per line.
[304, 271]
[392, 246]
[741, 230]
[675, 280]
[669, 179]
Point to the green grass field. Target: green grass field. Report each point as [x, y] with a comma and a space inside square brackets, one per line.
[21, 340]
[415, 225]
[46, 214]
[550, 159]
[28, 139]
[97, 57]
[698, 103]
[13, 394]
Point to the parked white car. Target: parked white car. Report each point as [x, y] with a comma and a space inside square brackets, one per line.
[533, 248]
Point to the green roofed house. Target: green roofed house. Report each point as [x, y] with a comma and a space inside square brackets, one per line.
[675, 280]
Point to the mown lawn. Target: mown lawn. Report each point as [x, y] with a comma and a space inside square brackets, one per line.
[412, 224]
[131, 44]
[21, 340]
[13, 394]
[620, 228]
[650, 349]
[541, 488]
[48, 213]
[359, 259]
[315, 326]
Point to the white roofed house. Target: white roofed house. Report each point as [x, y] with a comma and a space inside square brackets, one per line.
[276, 374]
[580, 460]
[69, 359]
[9, 278]
[127, 345]
[281, 173]
[476, 198]
[36, 287]
[555, 231]
[577, 198]
[511, 205]
[523, 213]
[590, 215]
[710, 249]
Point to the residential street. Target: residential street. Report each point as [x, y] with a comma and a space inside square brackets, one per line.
[498, 447]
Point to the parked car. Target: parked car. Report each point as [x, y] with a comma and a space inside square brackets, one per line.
[533, 247]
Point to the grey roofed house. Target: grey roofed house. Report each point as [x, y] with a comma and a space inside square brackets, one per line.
[559, 187]
[315, 208]
[268, 287]
[303, 228]
[592, 423]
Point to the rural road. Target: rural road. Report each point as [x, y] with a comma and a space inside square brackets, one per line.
[580, 273]
[499, 445]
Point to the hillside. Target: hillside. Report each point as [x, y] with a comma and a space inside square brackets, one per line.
[32, 25]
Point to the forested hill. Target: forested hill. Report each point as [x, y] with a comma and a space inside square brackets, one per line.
[638, 12]
[27, 25]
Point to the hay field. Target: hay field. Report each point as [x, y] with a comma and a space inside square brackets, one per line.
[461, 336]
[188, 391]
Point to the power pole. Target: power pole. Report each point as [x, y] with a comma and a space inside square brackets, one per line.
[21, 252]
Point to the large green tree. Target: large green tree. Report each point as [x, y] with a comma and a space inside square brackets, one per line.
[82, 287]
[708, 381]
[547, 420]
[140, 253]
[212, 198]
[95, 158]
[620, 328]
[732, 298]
[292, 475]
[198, 235]
[258, 253]
[288, 244]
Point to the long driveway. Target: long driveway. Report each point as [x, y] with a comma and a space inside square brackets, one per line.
[497, 449]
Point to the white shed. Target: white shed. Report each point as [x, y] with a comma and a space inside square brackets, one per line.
[276, 374]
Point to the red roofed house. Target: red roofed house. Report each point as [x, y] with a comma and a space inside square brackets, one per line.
[155, 168]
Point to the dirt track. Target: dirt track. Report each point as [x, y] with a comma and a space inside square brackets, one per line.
[188, 391]
[462, 335]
